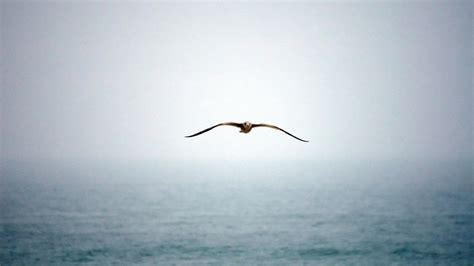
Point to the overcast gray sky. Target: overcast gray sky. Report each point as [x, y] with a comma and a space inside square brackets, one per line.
[364, 80]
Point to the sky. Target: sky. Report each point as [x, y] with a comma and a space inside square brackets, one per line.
[359, 80]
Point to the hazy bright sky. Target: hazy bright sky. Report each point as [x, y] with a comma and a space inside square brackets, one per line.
[364, 80]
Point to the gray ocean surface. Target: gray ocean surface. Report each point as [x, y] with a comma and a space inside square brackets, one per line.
[278, 213]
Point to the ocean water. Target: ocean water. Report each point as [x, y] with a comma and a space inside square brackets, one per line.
[225, 213]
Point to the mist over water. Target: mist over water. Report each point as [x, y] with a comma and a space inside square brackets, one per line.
[237, 212]
[96, 98]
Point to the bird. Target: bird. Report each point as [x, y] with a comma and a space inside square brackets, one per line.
[245, 127]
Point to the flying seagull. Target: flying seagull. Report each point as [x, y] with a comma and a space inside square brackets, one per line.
[245, 127]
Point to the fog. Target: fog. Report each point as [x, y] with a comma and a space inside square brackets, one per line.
[128, 81]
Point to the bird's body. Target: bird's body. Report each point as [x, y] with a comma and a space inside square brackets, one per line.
[245, 127]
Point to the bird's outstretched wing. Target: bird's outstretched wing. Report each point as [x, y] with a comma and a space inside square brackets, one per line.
[239, 125]
[275, 127]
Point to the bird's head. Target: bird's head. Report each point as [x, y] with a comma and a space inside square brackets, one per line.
[247, 124]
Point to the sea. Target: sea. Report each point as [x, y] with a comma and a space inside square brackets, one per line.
[224, 212]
